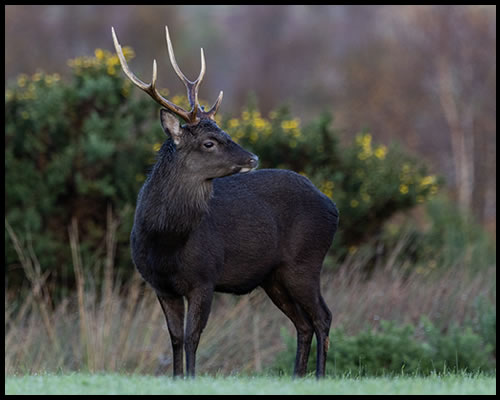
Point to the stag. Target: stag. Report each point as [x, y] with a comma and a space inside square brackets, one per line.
[206, 221]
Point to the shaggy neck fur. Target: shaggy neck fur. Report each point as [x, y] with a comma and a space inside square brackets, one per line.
[172, 201]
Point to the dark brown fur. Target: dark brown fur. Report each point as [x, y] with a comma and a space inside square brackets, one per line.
[200, 226]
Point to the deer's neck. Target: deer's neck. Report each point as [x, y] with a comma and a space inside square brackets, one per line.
[171, 200]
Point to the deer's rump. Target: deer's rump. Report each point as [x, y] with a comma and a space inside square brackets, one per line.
[269, 219]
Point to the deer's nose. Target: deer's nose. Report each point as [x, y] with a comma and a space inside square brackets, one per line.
[253, 161]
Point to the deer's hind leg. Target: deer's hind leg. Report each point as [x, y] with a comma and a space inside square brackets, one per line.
[303, 286]
[280, 297]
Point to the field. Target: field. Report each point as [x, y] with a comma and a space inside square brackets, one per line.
[80, 383]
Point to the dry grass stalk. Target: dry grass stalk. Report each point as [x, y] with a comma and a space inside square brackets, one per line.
[121, 327]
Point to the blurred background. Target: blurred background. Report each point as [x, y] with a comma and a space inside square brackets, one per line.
[389, 110]
[423, 75]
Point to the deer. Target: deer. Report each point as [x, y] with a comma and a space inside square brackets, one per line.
[207, 220]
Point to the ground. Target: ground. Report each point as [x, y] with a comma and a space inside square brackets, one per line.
[91, 384]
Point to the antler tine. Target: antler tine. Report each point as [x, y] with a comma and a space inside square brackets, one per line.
[196, 112]
[192, 87]
[123, 62]
[151, 87]
[211, 113]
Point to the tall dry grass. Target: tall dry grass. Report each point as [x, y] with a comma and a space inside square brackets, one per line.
[118, 325]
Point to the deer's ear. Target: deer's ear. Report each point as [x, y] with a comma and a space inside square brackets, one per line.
[171, 125]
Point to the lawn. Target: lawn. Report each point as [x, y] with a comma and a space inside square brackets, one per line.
[92, 384]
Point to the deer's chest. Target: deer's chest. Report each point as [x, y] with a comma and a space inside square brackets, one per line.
[160, 263]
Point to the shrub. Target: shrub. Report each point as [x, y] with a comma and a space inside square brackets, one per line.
[73, 150]
[395, 349]
[443, 238]
[77, 149]
[368, 182]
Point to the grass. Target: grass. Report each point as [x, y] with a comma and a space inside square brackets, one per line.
[92, 384]
[118, 326]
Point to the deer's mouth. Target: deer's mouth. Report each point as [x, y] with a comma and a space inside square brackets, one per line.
[250, 165]
[239, 169]
[243, 169]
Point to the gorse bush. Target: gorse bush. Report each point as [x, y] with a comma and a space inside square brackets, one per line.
[368, 182]
[79, 148]
[396, 349]
[73, 150]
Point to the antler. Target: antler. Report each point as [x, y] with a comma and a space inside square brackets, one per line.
[197, 112]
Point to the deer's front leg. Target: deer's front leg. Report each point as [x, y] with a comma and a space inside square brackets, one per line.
[199, 303]
[173, 309]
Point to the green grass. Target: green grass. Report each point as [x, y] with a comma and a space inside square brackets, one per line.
[92, 384]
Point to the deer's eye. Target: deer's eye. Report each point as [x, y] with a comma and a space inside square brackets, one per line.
[209, 144]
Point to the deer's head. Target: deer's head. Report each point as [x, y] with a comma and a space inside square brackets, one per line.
[206, 149]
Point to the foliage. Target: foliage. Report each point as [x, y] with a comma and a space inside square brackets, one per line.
[448, 237]
[76, 149]
[368, 182]
[394, 349]
[73, 150]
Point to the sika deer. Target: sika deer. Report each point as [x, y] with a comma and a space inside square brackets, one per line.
[206, 222]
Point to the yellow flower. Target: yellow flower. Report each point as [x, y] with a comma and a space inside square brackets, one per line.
[128, 53]
[420, 198]
[403, 189]
[233, 123]
[156, 146]
[380, 152]
[260, 123]
[112, 61]
[354, 203]
[289, 125]
[328, 193]
[37, 76]
[428, 180]
[99, 54]
[22, 79]
[181, 101]
[365, 142]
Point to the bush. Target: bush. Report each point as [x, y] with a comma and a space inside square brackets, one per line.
[395, 349]
[443, 238]
[368, 182]
[75, 150]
